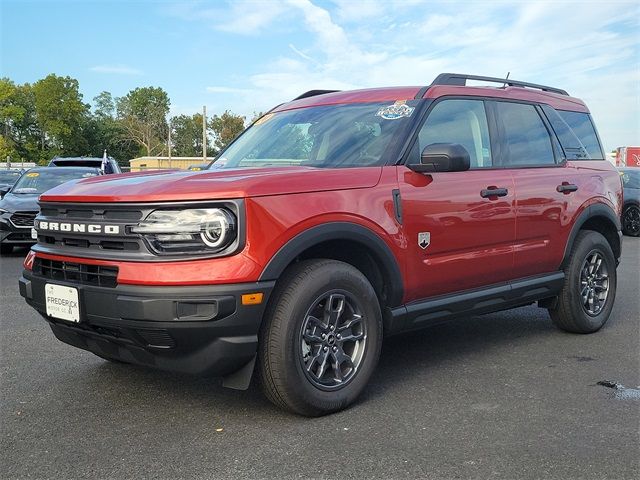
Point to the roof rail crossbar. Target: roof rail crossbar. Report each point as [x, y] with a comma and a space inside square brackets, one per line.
[313, 93]
[460, 79]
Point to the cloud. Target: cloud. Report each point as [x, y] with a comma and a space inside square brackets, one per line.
[118, 69]
[590, 49]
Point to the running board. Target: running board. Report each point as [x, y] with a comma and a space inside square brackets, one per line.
[424, 313]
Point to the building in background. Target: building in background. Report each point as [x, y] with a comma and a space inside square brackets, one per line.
[159, 163]
[628, 157]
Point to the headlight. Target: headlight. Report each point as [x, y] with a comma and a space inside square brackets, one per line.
[201, 230]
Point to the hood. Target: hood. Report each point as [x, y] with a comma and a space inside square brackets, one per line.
[166, 186]
[27, 202]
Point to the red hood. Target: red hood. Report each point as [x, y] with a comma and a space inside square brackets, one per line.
[211, 184]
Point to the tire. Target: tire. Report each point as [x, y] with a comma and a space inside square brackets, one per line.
[631, 221]
[296, 363]
[5, 249]
[573, 312]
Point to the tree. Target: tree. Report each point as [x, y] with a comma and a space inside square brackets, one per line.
[142, 114]
[103, 105]
[186, 135]
[104, 131]
[18, 125]
[226, 127]
[60, 113]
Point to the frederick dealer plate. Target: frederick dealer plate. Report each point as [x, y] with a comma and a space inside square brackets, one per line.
[62, 302]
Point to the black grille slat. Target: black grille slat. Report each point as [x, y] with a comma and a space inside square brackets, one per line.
[23, 219]
[125, 244]
[97, 275]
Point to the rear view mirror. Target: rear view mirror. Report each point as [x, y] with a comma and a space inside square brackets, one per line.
[4, 191]
[442, 157]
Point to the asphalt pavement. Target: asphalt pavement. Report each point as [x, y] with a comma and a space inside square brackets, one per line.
[504, 395]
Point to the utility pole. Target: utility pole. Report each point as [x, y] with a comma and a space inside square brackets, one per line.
[169, 140]
[204, 133]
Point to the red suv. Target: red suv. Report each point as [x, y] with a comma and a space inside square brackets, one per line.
[333, 221]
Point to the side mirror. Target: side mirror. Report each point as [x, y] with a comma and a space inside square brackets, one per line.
[442, 157]
[4, 191]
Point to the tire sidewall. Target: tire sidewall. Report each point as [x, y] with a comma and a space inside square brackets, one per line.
[327, 278]
[626, 231]
[592, 241]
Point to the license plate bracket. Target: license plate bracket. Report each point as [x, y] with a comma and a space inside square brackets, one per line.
[62, 302]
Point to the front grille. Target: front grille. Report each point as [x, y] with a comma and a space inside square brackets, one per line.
[125, 245]
[97, 275]
[23, 219]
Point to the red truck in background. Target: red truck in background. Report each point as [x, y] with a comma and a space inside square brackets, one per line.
[628, 157]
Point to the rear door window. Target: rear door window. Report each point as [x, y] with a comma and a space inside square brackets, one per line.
[526, 140]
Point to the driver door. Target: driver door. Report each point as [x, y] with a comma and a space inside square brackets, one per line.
[459, 236]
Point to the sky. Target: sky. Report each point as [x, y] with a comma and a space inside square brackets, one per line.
[249, 55]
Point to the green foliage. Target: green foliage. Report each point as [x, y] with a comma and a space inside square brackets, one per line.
[186, 136]
[48, 118]
[142, 114]
[226, 128]
[61, 114]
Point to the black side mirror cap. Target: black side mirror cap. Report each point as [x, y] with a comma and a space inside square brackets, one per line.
[442, 157]
[4, 191]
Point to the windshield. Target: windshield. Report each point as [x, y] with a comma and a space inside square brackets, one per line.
[334, 136]
[9, 177]
[43, 180]
[630, 179]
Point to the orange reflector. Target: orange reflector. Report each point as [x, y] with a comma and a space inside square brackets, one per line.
[252, 299]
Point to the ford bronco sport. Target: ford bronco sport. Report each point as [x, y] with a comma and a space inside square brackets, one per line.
[334, 220]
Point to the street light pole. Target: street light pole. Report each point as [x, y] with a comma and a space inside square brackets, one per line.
[204, 133]
[169, 139]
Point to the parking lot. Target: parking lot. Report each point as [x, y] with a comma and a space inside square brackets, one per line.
[503, 395]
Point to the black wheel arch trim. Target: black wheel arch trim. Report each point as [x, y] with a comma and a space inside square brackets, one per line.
[592, 211]
[340, 231]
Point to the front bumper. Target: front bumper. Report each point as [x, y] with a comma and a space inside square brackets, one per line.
[203, 330]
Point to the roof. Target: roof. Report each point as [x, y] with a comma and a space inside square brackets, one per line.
[444, 85]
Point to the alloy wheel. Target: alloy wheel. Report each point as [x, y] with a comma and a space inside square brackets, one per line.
[594, 283]
[332, 340]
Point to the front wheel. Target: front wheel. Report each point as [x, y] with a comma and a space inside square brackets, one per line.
[631, 221]
[321, 338]
[586, 299]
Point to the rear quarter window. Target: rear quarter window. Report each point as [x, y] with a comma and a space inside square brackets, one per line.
[583, 128]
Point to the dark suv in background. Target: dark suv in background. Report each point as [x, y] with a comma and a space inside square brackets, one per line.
[107, 165]
[19, 205]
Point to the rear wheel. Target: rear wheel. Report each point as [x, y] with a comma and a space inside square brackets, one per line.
[321, 338]
[5, 249]
[631, 221]
[586, 300]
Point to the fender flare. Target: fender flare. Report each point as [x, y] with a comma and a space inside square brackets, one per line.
[594, 210]
[381, 252]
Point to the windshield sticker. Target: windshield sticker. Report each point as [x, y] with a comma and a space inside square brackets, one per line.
[398, 110]
[264, 119]
[33, 174]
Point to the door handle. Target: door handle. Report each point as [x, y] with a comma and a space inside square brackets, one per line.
[566, 188]
[493, 192]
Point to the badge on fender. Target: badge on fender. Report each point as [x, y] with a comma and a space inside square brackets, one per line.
[424, 239]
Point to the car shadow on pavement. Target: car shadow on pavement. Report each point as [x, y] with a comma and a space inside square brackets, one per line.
[425, 351]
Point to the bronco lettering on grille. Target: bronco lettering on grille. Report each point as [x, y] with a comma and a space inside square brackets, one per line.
[78, 227]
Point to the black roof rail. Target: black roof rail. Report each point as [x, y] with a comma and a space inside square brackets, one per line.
[460, 79]
[313, 93]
